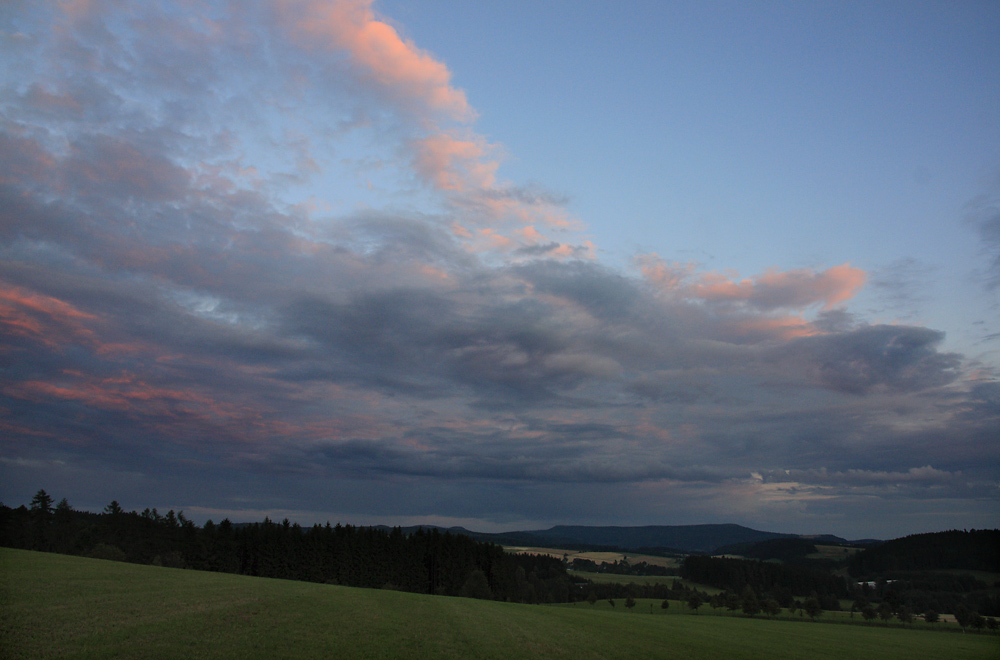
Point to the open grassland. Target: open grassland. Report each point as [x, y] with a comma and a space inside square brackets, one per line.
[54, 606]
[615, 578]
[679, 607]
[596, 557]
[835, 552]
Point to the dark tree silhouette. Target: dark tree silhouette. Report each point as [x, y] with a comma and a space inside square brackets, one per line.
[748, 601]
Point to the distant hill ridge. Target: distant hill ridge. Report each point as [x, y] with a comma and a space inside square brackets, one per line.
[679, 538]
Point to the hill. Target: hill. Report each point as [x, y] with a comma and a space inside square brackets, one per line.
[103, 609]
[664, 538]
[976, 550]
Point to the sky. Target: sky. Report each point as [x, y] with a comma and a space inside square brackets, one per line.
[504, 265]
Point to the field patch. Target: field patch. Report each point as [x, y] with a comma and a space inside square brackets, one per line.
[597, 557]
[834, 552]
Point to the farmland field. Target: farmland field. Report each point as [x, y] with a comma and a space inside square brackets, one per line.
[834, 552]
[55, 606]
[596, 556]
[615, 578]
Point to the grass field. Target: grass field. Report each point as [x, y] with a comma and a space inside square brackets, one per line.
[615, 578]
[834, 552]
[54, 606]
[594, 556]
[604, 578]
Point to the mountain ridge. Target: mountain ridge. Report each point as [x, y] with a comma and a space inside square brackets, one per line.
[703, 538]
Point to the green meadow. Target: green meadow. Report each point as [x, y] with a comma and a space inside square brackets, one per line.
[57, 606]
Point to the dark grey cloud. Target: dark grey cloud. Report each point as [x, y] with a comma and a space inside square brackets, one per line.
[878, 358]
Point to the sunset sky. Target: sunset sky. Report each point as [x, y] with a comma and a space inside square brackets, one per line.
[504, 265]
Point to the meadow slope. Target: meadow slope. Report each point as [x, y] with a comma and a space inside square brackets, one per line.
[56, 606]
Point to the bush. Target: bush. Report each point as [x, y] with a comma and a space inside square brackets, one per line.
[108, 552]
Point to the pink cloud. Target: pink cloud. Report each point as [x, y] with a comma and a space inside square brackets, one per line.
[530, 235]
[789, 289]
[45, 319]
[396, 65]
[784, 328]
[774, 289]
[454, 164]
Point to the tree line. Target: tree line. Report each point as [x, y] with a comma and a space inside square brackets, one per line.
[766, 577]
[425, 561]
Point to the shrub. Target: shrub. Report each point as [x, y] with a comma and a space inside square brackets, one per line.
[109, 552]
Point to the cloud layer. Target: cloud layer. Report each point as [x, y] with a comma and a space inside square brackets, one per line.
[185, 316]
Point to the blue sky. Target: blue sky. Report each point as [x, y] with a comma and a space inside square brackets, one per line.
[749, 137]
[504, 266]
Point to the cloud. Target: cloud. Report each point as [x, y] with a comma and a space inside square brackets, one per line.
[904, 285]
[454, 164]
[876, 358]
[772, 290]
[177, 300]
[382, 59]
[983, 213]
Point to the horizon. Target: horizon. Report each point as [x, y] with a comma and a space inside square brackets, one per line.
[504, 267]
[278, 518]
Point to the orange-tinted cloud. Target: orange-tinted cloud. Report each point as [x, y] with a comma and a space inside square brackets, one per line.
[793, 289]
[120, 393]
[45, 319]
[454, 164]
[783, 328]
[381, 55]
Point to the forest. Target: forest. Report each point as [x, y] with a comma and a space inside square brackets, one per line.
[425, 561]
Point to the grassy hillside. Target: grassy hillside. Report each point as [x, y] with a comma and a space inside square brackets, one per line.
[55, 606]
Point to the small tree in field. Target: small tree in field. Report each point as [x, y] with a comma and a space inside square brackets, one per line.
[591, 598]
[885, 611]
[904, 614]
[771, 607]
[812, 607]
[665, 604]
[963, 616]
[611, 601]
[477, 586]
[630, 602]
[694, 601]
[869, 613]
[930, 616]
[748, 601]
